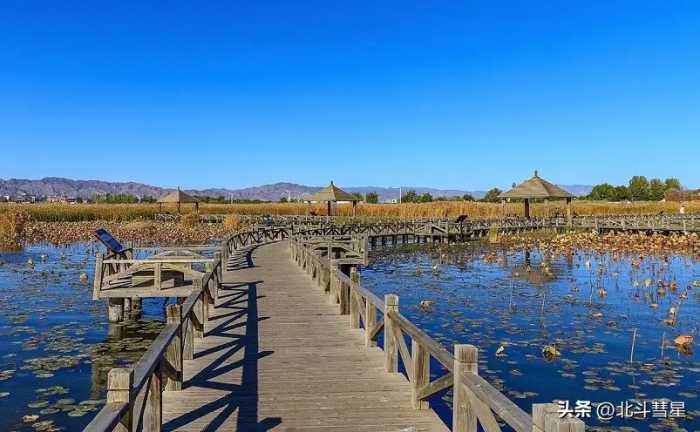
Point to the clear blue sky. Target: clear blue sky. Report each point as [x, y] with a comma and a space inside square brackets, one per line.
[429, 93]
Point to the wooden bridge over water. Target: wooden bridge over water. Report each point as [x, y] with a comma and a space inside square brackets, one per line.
[277, 333]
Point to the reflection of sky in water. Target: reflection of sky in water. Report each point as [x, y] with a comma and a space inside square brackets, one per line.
[48, 314]
[488, 298]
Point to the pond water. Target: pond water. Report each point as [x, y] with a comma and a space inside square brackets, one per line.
[587, 306]
[56, 345]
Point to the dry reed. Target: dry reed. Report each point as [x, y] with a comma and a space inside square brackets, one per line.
[46, 212]
[12, 225]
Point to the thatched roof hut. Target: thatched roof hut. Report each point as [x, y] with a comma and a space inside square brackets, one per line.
[331, 195]
[537, 188]
[179, 197]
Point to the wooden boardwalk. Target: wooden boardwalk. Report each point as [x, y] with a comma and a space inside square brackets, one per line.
[278, 356]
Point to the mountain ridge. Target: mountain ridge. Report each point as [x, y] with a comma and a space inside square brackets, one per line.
[74, 188]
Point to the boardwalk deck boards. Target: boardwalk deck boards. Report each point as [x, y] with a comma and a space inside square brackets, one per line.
[277, 356]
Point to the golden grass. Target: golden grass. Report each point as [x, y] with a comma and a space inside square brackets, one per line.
[50, 212]
[189, 220]
[232, 222]
[12, 224]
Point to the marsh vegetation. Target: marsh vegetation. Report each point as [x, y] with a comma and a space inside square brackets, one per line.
[568, 317]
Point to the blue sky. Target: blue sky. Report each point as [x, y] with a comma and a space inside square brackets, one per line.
[454, 94]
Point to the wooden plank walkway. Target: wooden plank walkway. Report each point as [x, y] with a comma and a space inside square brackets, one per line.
[277, 356]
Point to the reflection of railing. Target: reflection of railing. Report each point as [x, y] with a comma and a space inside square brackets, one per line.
[475, 400]
[134, 394]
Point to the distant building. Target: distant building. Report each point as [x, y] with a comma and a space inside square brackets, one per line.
[23, 198]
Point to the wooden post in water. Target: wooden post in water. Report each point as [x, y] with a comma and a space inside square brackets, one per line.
[119, 383]
[390, 349]
[97, 282]
[466, 361]
[127, 308]
[115, 310]
[172, 366]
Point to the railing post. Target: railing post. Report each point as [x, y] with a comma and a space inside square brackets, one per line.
[188, 337]
[545, 417]
[390, 349]
[333, 282]
[199, 307]
[218, 256]
[371, 316]
[173, 356]
[466, 361]
[119, 383]
[354, 299]
[97, 282]
[153, 411]
[421, 372]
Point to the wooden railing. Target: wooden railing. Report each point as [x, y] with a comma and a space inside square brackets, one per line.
[475, 400]
[134, 395]
[253, 236]
[661, 223]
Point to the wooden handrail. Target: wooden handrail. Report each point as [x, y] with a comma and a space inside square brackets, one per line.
[160, 367]
[354, 299]
[475, 399]
[108, 417]
[434, 347]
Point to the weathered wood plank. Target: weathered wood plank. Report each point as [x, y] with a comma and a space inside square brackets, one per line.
[276, 351]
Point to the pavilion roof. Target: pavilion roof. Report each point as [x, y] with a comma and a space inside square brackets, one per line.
[178, 196]
[536, 187]
[332, 193]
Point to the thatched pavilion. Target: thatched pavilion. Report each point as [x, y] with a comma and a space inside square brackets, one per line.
[537, 188]
[332, 195]
[178, 197]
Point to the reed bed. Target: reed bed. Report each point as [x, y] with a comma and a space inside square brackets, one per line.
[12, 223]
[49, 212]
[138, 233]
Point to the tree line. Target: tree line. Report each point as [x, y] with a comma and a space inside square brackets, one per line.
[639, 188]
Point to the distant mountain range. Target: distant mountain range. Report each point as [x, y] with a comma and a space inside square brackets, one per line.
[63, 187]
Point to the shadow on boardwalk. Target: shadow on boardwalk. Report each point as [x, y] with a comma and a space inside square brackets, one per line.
[236, 352]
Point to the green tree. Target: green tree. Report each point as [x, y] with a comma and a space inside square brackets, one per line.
[426, 197]
[673, 183]
[639, 188]
[410, 196]
[492, 195]
[372, 198]
[603, 191]
[621, 193]
[656, 189]
[358, 196]
[467, 197]
[284, 199]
